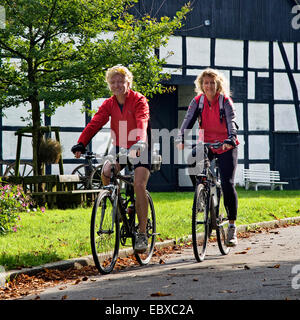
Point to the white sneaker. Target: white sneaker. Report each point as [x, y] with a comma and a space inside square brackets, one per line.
[231, 237]
[141, 243]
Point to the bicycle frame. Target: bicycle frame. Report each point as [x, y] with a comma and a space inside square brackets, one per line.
[114, 187]
[207, 213]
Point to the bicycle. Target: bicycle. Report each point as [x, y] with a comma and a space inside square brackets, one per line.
[206, 208]
[114, 220]
[90, 172]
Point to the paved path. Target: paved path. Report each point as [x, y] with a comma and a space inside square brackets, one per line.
[265, 266]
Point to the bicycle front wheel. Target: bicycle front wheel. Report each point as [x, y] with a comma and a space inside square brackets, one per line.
[105, 233]
[200, 222]
[144, 258]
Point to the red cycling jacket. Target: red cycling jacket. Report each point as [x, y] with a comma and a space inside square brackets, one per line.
[127, 127]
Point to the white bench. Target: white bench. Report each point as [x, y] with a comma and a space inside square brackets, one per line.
[262, 178]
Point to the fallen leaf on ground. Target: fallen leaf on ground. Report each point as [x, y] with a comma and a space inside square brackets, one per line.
[227, 291]
[160, 294]
[275, 266]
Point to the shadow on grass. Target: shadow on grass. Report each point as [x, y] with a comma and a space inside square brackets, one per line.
[28, 259]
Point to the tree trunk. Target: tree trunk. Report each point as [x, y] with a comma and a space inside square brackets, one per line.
[36, 136]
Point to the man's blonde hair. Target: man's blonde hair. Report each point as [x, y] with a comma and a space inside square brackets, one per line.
[121, 70]
[222, 84]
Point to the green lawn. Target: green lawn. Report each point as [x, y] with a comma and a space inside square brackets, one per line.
[63, 234]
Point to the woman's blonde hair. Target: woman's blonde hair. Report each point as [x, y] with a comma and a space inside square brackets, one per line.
[119, 69]
[222, 84]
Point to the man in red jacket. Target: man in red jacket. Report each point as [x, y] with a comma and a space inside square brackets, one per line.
[129, 114]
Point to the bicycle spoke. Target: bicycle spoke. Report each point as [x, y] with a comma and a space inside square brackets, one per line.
[200, 223]
[104, 238]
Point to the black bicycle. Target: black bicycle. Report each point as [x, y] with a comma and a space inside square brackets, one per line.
[114, 220]
[90, 172]
[206, 215]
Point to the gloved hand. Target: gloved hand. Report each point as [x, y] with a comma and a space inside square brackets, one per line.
[178, 140]
[230, 141]
[78, 148]
[140, 145]
[137, 149]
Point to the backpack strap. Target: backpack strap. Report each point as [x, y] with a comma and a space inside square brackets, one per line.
[200, 101]
[222, 109]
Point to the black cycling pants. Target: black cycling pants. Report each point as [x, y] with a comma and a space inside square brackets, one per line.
[227, 165]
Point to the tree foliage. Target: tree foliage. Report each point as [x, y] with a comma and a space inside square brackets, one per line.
[57, 51]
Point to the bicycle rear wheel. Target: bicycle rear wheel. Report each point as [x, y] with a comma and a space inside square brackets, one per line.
[105, 233]
[83, 171]
[200, 222]
[144, 258]
[95, 180]
[222, 226]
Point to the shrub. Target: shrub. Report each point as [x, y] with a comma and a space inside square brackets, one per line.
[13, 200]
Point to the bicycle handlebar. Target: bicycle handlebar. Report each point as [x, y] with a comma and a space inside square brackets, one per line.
[213, 145]
[91, 155]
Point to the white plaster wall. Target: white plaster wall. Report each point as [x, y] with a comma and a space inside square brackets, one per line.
[9, 145]
[297, 81]
[68, 168]
[95, 106]
[176, 71]
[238, 73]
[285, 117]
[13, 115]
[251, 85]
[239, 109]
[198, 51]
[226, 75]
[263, 74]
[282, 87]
[193, 72]
[174, 46]
[241, 146]
[68, 139]
[258, 54]
[229, 53]
[258, 115]
[69, 115]
[298, 50]
[259, 147]
[278, 61]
